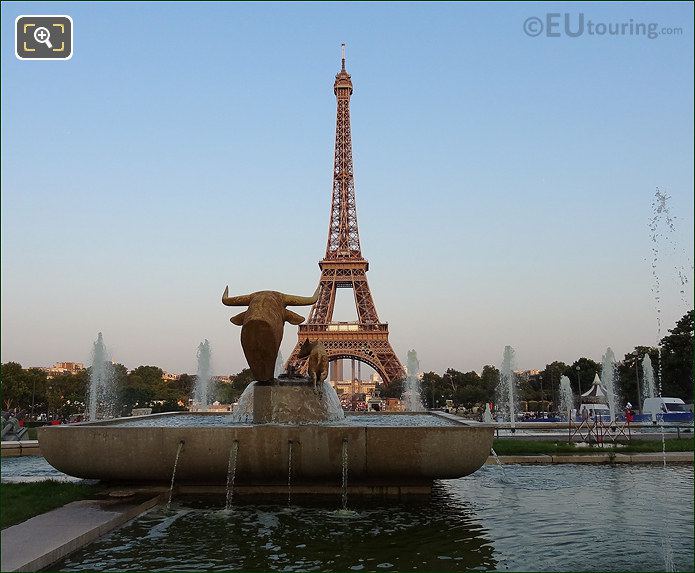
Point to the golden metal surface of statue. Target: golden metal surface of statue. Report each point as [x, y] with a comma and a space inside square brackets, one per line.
[262, 325]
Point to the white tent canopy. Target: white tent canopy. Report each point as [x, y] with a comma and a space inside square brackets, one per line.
[597, 391]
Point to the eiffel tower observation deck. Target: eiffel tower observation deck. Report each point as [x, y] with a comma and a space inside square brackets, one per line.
[343, 266]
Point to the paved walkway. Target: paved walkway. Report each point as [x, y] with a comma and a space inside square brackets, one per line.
[36, 543]
[598, 458]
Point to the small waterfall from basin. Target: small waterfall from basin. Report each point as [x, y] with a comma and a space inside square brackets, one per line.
[173, 474]
[243, 411]
[279, 365]
[345, 474]
[102, 391]
[506, 390]
[566, 397]
[648, 384]
[487, 414]
[608, 377]
[497, 460]
[412, 394]
[334, 408]
[344, 512]
[289, 473]
[203, 376]
[231, 474]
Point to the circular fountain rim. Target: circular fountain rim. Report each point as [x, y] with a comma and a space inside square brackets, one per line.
[118, 422]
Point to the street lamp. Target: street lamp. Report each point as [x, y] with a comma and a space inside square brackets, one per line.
[579, 382]
[33, 394]
[639, 390]
[540, 377]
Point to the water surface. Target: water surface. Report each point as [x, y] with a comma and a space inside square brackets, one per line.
[545, 518]
[30, 468]
[214, 420]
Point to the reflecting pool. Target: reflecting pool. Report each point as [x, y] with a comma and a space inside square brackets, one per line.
[545, 518]
[31, 468]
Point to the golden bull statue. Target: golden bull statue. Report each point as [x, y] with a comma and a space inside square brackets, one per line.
[317, 362]
[262, 325]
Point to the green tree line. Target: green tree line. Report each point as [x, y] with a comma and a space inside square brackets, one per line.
[469, 388]
[65, 394]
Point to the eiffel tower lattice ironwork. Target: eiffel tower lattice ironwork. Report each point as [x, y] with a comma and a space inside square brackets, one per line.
[367, 339]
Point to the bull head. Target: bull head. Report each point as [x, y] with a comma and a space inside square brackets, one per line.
[262, 325]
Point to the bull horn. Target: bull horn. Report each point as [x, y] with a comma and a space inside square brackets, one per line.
[293, 300]
[243, 300]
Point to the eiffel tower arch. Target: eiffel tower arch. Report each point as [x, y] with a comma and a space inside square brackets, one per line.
[367, 339]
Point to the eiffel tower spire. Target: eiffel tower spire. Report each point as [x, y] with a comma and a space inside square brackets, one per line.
[343, 235]
[344, 267]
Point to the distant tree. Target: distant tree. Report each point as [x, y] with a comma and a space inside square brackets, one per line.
[551, 380]
[135, 395]
[464, 388]
[14, 385]
[67, 393]
[588, 369]
[37, 382]
[529, 388]
[142, 386]
[393, 389]
[241, 380]
[432, 388]
[490, 378]
[120, 375]
[452, 380]
[184, 386]
[226, 393]
[148, 374]
[677, 359]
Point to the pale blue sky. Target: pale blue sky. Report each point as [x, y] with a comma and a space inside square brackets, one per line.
[504, 182]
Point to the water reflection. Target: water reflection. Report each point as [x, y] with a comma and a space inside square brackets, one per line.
[546, 518]
[443, 535]
[584, 518]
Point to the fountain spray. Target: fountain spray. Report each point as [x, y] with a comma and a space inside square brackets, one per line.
[101, 383]
[204, 375]
[506, 391]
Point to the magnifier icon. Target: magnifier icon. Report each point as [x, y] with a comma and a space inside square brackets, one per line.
[43, 36]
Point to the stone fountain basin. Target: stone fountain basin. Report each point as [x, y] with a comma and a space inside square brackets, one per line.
[375, 454]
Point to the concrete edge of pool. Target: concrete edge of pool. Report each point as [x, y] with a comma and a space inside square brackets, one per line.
[47, 538]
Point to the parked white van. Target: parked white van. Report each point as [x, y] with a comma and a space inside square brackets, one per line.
[663, 405]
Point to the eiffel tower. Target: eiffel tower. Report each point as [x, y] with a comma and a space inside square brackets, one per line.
[367, 339]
